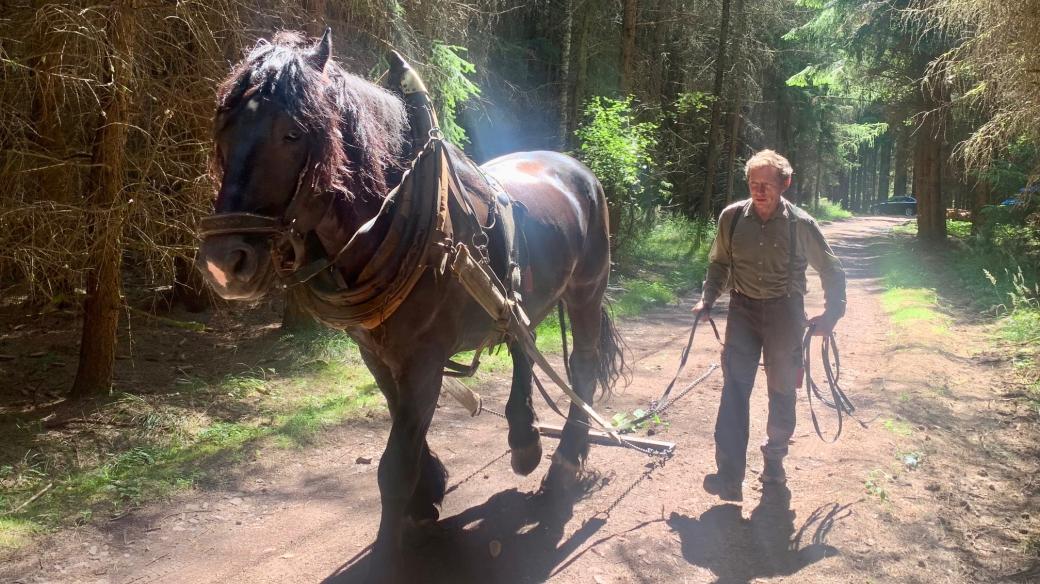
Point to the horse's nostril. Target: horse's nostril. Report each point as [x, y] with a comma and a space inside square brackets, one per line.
[239, 258]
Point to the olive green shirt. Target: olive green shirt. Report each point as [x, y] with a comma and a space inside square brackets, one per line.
[755, 259]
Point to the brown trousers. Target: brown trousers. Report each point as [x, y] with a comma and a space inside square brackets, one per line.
[774, 326]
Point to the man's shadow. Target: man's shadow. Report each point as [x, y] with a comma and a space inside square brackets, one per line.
[738, 550]
[512, 537]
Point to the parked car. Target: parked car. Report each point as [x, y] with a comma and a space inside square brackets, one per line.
[906, 206]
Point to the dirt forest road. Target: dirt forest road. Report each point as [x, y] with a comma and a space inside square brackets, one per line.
[855, 511]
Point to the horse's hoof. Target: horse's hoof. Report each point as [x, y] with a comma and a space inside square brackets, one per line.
[525, 459]
[562, 475]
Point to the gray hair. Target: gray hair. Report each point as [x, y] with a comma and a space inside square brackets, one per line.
[771, 159]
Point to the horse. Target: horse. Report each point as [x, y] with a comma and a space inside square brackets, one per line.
[306, 153]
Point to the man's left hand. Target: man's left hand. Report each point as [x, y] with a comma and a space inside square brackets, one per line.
[822, 325]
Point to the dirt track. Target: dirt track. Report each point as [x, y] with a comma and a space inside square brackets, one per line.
[854, 512]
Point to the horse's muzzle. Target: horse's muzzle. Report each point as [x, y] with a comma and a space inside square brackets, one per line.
[236, 267]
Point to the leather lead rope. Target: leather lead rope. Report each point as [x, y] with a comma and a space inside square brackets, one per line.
[661, 403]
[839, 401]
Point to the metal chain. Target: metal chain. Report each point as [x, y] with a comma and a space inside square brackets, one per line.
[484, 408]
[476, 472]
[660, 459]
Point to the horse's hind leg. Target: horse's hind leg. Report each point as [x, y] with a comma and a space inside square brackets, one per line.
[585, 317]
[524, 441]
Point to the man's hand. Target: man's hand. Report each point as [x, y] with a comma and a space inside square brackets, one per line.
[703, 311]
[822, 325]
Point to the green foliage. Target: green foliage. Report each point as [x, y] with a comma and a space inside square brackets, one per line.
[619, 150]
[875, 484]
[898, 427]
[661, 263]
[639, 295]
[626, 421]
[828, 210]
[451, 88]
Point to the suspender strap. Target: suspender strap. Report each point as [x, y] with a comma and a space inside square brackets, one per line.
[732, 232]
[792, 247]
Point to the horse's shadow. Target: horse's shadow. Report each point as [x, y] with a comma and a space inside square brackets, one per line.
[511, 537]
[739, 550]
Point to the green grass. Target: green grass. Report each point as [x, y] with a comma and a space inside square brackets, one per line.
[152, 445]
[828, 210]
[667, 261]
[875, 484]
[15, 533]
[910, 298]
[898, 427]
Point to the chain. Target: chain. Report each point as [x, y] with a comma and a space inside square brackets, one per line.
[659, 460]
[476, 472]
[484, 408]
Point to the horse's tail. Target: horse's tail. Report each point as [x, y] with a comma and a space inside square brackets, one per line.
[611, 365]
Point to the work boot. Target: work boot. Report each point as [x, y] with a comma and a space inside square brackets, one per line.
[773, 472]
[723, 488]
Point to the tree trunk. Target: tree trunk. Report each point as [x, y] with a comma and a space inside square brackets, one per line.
[736, 99]
[101, 308]
[715, 130]
[928, 167]
[628, 45]
[316, 16]
[871, 178]
[565, 74]
[581, 76]
[884, 167]
[901, 162]
[734, 146]
[295, 318]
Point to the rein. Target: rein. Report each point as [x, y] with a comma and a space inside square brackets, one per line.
[660, 404]
[839, 402]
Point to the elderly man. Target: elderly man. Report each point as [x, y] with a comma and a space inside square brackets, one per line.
[759, 255]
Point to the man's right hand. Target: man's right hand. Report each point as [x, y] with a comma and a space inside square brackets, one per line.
[703, 311]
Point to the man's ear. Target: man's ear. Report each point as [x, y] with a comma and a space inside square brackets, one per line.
[787, 183]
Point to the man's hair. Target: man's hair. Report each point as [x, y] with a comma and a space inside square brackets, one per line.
[772, 159]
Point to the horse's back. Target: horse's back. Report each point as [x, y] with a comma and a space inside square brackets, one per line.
[553, 186]
[565, 218]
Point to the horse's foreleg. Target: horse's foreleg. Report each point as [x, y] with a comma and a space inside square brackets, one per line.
[433, 477]
[407, 457]
[524, 442]
[574, 440]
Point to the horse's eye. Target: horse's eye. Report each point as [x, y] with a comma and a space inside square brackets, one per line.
[292, 136]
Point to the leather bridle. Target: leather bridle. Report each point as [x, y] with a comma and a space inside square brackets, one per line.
[285, 233]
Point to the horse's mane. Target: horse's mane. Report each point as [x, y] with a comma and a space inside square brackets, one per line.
[358, 127]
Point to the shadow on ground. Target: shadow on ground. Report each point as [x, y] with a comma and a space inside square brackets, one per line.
[738, 550]
[528, 529]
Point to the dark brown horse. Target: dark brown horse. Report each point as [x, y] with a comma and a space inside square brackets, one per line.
[304, 147]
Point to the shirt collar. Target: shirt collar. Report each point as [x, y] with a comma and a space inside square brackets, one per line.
[749, 209]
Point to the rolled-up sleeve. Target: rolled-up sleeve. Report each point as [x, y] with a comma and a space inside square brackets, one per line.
[832, 275]
[719, 263]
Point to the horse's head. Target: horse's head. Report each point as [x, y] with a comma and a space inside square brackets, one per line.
[297, 141]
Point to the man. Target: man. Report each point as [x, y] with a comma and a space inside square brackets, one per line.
[760, 255]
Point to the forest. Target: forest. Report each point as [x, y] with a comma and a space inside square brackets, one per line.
[106, 141]
[107, 115]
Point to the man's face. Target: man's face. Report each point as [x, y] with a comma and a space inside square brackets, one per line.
[766, 186]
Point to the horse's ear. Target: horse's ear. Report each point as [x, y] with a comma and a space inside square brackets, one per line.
[319, 54]
[398, 67]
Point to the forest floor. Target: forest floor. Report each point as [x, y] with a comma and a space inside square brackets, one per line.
[941, 485]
